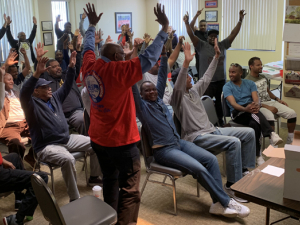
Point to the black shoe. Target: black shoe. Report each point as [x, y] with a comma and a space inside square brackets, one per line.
[11, 220]
[95, 181]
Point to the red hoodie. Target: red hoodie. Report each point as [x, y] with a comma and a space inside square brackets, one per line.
[1, 160]
[113, 118]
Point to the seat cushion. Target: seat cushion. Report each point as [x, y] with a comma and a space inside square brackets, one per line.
[88, 210]
[164, 169]
[78, 155]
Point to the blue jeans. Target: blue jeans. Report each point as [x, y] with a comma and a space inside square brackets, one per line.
[239, 144]
[198, 162]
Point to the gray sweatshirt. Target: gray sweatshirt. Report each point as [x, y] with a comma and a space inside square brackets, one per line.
[188, 107]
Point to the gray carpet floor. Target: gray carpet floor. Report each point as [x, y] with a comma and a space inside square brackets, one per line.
[157, 202]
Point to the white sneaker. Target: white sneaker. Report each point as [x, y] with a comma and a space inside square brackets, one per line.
[259, 160]
[243, 211]
[231, 194]
[275, 139]
[246, 173]
[218, 209]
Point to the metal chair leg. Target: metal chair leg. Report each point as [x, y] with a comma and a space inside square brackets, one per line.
[86, 171]
[165, 179]
[198, 189]
[52, 180]
[145, 182]
[278, 124]
[174, 195]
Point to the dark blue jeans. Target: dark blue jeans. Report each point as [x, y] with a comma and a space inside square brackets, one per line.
[198, 162]
[121, 178]
[17, 180]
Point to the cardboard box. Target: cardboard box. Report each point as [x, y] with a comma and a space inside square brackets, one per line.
[292, 172]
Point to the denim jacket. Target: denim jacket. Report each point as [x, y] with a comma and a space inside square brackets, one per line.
[155, 116]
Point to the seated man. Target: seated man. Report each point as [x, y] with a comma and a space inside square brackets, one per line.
[13, 177]
[169, 150]
[13, 123]
[47, 124]
[152, 74]
[270, 108]
[242, 99]
[12, 69]
[239, 143]
[22, 42]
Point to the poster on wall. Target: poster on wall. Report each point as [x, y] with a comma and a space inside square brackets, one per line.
[292, 22]
[212, 26]
[122, 18]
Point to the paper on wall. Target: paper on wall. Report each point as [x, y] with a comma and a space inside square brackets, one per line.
[292, 24]
[273, 170]
[294, 49]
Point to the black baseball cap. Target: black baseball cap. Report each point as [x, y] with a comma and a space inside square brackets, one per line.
[42, 82]
[213, 32]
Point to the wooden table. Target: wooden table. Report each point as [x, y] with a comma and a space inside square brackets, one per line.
[266, 190]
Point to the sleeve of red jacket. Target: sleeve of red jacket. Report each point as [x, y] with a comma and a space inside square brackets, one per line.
[1, 160]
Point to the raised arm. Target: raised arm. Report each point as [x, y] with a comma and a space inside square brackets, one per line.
[192, 24]
[3, 29]
[10, 38]
[58, 31]
[2, 88]
[11, 60]
[82, 30]
[151, 54]
[190, 32]
[25, 71]
[180, 85]
[33, 31]
[162, 74]
[203, 83]
[237, 28]
[65, 89]
[173, 57]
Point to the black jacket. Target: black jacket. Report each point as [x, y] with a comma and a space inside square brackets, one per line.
[16, 44]
[46, 127]
[60, 42]
[2, 32]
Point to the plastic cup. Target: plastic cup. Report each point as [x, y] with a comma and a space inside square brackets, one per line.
[97, 191]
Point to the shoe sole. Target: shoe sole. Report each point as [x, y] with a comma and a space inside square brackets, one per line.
[226, 215]
[278, 142]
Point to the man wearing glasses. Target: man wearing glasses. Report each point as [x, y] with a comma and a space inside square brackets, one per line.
[242, 99]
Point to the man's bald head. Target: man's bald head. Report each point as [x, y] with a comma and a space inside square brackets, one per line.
[112, 51]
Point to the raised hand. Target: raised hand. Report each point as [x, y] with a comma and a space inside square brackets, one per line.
[147, 38]
[8, 21]
[71, 47]
[83, 16]
[11, 59]
[77, 32]
[130, 34]
[40, 50]
[186, 18]
[108, 40]
[58, 19]
[199, 12]
[91, 14]
[187, 52]
[34, 20]
[66, 41]
[162, 19]
[217, 50]
[242, 14]
[73, 59]
[4, 17]
[181, 38]
[23, 51]
[40, 68]
[171, 35]
[97, 37]
[79, 41]
[138, 42]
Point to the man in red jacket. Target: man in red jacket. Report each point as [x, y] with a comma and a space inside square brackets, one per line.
[113, 128]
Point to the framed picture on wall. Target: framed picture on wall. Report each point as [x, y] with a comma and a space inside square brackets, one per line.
[48, 40]
[211, 4]
[47, 26]
[211, 16]
[122, 18]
